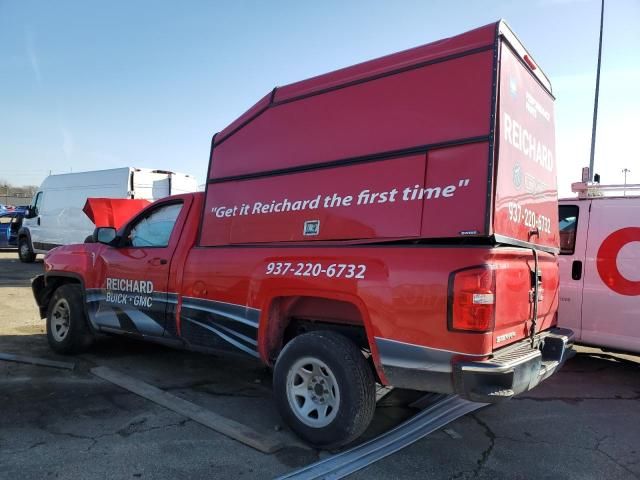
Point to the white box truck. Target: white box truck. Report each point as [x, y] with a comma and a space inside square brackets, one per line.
[55, 216]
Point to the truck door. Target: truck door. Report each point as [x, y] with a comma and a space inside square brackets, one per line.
[611, 307]
[135, 274]
[574, 225]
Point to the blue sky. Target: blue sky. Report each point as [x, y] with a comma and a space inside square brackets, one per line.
[87, 85]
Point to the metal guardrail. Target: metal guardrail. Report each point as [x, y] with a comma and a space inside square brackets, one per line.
[444, 409]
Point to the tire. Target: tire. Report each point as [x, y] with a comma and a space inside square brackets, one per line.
[25, 252]
[327, 372]
[67, 328]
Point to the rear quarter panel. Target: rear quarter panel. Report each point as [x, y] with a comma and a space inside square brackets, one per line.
[402, 297]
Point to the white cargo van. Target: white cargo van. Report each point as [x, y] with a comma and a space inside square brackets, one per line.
[55, 216]
[600, 266]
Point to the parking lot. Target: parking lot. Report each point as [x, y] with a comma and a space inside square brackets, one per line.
[57, 423]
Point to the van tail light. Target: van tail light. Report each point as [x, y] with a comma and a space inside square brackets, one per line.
[472, 299]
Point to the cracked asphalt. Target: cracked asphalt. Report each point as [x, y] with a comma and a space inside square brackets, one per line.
[583, 423]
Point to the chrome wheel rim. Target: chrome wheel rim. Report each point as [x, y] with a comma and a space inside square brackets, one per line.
[313, 393]
[60, 320]
[24, 249]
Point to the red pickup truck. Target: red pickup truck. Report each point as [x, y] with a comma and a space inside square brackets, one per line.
[393, 222]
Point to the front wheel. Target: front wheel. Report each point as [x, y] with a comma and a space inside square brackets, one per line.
[24, 251]
[324, 389]
[67, 328]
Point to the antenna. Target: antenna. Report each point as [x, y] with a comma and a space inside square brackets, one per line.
[595, 103]
[625, 171]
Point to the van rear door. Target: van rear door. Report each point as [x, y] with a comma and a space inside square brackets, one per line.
[182, 183]
[149, 184]
[156, 184]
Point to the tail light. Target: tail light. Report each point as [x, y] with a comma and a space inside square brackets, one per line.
[472, 300]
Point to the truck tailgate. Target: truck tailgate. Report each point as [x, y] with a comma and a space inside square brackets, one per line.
[514, 295]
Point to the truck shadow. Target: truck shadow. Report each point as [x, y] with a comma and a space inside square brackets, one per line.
[240, 388]
[592, 375]
[170, 368]
[16, 273]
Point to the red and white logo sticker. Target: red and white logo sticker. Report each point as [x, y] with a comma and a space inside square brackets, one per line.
[607, 261]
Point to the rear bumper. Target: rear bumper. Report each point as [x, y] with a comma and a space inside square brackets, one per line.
[515, 369]
[511, 370]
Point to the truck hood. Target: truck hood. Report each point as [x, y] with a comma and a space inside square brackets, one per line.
[112, 212]
[74, 258]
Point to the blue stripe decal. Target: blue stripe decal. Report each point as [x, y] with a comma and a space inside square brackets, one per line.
[237, 334]
[104, 315]
[245, 315]
[230, 340]
[143, 322]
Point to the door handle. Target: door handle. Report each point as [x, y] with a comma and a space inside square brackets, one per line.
[157, 261]
[38, 222]
[576, 270]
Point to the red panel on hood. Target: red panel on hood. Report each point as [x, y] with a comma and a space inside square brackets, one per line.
[112, 212]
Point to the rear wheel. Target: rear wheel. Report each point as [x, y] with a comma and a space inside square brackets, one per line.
[24, 251]
[324, 389]
[67, 328]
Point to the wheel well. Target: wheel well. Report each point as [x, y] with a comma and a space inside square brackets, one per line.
[44, 289]
[295, 315]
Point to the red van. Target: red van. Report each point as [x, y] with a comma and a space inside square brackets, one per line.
[395, 222]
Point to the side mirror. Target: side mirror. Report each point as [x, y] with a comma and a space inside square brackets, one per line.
[31, 212]
[104, 235]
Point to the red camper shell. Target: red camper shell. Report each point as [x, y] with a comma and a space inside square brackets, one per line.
[447, 140]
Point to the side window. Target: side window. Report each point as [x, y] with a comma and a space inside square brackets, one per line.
[568, 224]
[154, 230]
[36, 203]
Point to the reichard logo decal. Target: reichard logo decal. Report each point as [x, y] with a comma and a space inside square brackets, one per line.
[517, 176]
